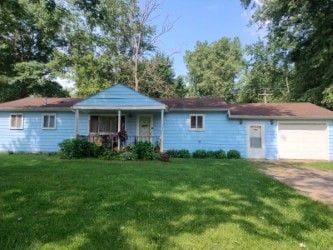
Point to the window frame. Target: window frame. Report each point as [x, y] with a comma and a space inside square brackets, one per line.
[55, 121]
[98, 120]
[196, 122]
[10, 121]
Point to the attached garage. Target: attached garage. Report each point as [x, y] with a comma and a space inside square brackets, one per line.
[303, 140]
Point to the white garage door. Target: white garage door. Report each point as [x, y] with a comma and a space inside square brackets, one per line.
[303, 141]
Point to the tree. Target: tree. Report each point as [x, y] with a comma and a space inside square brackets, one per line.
[263, 72]
[109, 41]
[158, 77]
[181, 89]
[301, 34]
[30, 31]
[213, 67]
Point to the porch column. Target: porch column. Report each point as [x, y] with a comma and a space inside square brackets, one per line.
[119, 127]
[162, 131]
[77, 119]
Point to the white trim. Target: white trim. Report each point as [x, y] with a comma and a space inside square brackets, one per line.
[203, 123]
[151, 125]
[162, 131]
[116, 108]
[94, 114]
[279, 117]
[10, 122]
[303, 122]
[55, 121]
[200, 109]
[263, 144]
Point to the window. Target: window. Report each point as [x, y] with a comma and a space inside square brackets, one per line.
[49, 121]
[196, 122]
[105, 124]
[255, 137]
[16, 121]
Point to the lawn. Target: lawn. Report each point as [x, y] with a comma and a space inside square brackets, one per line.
[46, 202]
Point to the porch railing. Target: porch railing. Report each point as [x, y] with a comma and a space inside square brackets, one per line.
[111, 140]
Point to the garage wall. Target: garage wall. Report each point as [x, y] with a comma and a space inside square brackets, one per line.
[330, 138]
[271, 140]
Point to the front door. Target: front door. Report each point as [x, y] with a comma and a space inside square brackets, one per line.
[255, 141]
[145, 128]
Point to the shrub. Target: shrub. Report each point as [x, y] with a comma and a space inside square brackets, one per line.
[233, 154]
[220, 154]
[165, 157]
[200, 153]
[210, 154]
[110, 155]
[77, 148]
[97, 150]
[182, 153]
[127, 156]
[144, 150]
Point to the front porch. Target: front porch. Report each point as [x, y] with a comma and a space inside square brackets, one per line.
[119, 116]
[134, 126]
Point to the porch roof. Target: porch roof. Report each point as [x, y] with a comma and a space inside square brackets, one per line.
[119, 97]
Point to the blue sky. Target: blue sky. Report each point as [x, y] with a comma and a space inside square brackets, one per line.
[200, 20]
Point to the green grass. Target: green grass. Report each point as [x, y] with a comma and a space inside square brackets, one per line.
[46, 202]
[322, 165]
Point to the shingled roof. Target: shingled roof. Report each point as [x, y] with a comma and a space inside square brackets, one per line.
[246, 110]
[195, 103]
[286, 110]
[40, 102]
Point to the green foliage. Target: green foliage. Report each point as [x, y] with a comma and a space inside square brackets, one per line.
[144, 150]
[214, 67]
[30, 32]
[181, 89]
[220, 154]
[110, 155]
[159, 77]
[300, 37]
[233, 154]
[79, 148]
[200, 153]
[328, 97]
[263, 72]
[182, 153]
[127, 156]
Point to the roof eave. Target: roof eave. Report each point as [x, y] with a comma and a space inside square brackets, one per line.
[119, 107]
[199, 109]
[31, 109]
[258, 117]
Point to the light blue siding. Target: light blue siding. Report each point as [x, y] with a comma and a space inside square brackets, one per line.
[330, 139]
[219, 132]
[119, 96]
[33, 138]
[270, 140]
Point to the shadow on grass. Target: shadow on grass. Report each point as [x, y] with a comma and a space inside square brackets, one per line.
[96, 204]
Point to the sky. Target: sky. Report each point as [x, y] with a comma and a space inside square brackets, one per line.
[201, 20]
[198, 20]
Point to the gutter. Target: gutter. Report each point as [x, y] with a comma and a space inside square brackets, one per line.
[279, 117]
[32, 109]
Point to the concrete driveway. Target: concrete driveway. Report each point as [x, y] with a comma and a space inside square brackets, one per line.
[317, 184]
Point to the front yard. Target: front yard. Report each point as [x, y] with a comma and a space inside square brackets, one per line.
[47, 202]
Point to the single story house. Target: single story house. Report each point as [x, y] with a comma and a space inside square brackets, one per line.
[265, 131]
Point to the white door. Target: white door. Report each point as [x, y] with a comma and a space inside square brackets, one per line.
[255, 141]
[303, 141]
[145, 128]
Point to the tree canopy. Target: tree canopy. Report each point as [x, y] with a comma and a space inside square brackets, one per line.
[213, 67]
[30, 31]
[300, 35]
